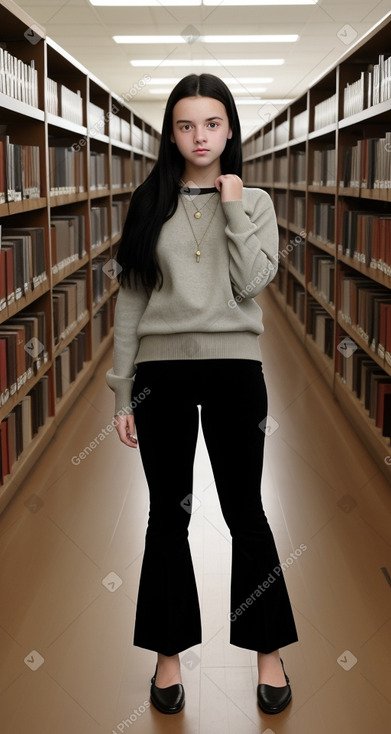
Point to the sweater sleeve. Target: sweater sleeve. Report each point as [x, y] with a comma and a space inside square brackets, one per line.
[131, 304]
[252, 243]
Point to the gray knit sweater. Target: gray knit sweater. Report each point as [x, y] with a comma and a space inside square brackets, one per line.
[205, 309]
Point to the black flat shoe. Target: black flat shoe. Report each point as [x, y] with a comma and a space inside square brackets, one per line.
[274, 699]
[169, 700]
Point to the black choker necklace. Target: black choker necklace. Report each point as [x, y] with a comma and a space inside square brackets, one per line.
[187, 190]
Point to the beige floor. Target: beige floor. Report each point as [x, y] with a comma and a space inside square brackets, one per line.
[70, 526]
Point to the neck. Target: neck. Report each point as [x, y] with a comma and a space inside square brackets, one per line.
[202, 178]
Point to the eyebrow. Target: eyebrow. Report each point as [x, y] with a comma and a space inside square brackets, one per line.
[208, 119]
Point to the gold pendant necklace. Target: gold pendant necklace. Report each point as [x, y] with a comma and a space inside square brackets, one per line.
[198, 251]
[197, 214]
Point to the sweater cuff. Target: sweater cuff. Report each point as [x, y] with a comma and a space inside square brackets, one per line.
[122, 387]
[238, 221]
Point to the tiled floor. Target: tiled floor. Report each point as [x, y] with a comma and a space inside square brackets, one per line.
[71, 545]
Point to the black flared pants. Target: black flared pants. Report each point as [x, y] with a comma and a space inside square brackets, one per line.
[233, 400]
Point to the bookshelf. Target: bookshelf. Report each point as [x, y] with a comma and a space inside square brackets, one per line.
[71, 154]
[325, 159]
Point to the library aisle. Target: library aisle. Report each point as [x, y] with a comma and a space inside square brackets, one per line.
[71, 543]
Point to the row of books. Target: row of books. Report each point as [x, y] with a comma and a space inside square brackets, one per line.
[299, 210]
[120, 129]
[296, 298]
[150, 143]
[22, 262]
[280, 204]
[22, 351]
[372, 386]
[300, 124]
[67, 235]
[66, 172]
[325, 167]
[99, 225]
[64, 102]
[373, 87]
[137, 136]
[367, 165]
[96, 119]
[281, 168]
[119, 169]
[99, 171]
[22, 424]
[281, 133]
[69, 304]
[100, 326]
[324, 219]
[119, 210]
[69, 363]
[325, 113]
[19, 171]
[321, 327]
[366, 237]
[298, 255]
[18, 79]
[299, 163]
[100, 281]
[52, 102]
[322, 276]
[366, 307]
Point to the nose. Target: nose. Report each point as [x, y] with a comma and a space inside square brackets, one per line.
[199, 134]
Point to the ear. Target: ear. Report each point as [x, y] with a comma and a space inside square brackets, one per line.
[172, 138]
[229, 136]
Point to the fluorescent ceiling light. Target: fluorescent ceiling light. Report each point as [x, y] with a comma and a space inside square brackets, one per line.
[234, 90]
[207, 39]
[228, 80]
[206, 62]
[146, 3]
[260, 2]
[251, 100]
[168, 3]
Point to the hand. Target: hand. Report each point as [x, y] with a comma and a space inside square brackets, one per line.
[230, 187]
[125, 429]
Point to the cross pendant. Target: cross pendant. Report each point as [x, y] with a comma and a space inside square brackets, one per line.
[198, 255]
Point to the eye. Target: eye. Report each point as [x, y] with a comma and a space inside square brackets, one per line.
[186, 126]
[215, 124]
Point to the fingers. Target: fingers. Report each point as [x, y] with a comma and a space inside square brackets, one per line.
[230, 186]
[126, 431]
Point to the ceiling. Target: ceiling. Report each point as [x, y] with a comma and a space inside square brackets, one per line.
[326, 31]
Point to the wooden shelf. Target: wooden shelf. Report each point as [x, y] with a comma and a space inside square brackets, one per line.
[107, 122]
[322, 301]
[365, 426]
[371, 273]
[261, 160]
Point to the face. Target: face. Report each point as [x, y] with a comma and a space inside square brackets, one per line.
[200, 129]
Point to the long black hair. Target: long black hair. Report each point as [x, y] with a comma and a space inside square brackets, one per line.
[156, 199]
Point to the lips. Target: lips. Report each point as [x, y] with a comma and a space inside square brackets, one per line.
[201, 150]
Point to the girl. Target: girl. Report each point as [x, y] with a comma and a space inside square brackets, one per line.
[196, 249]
